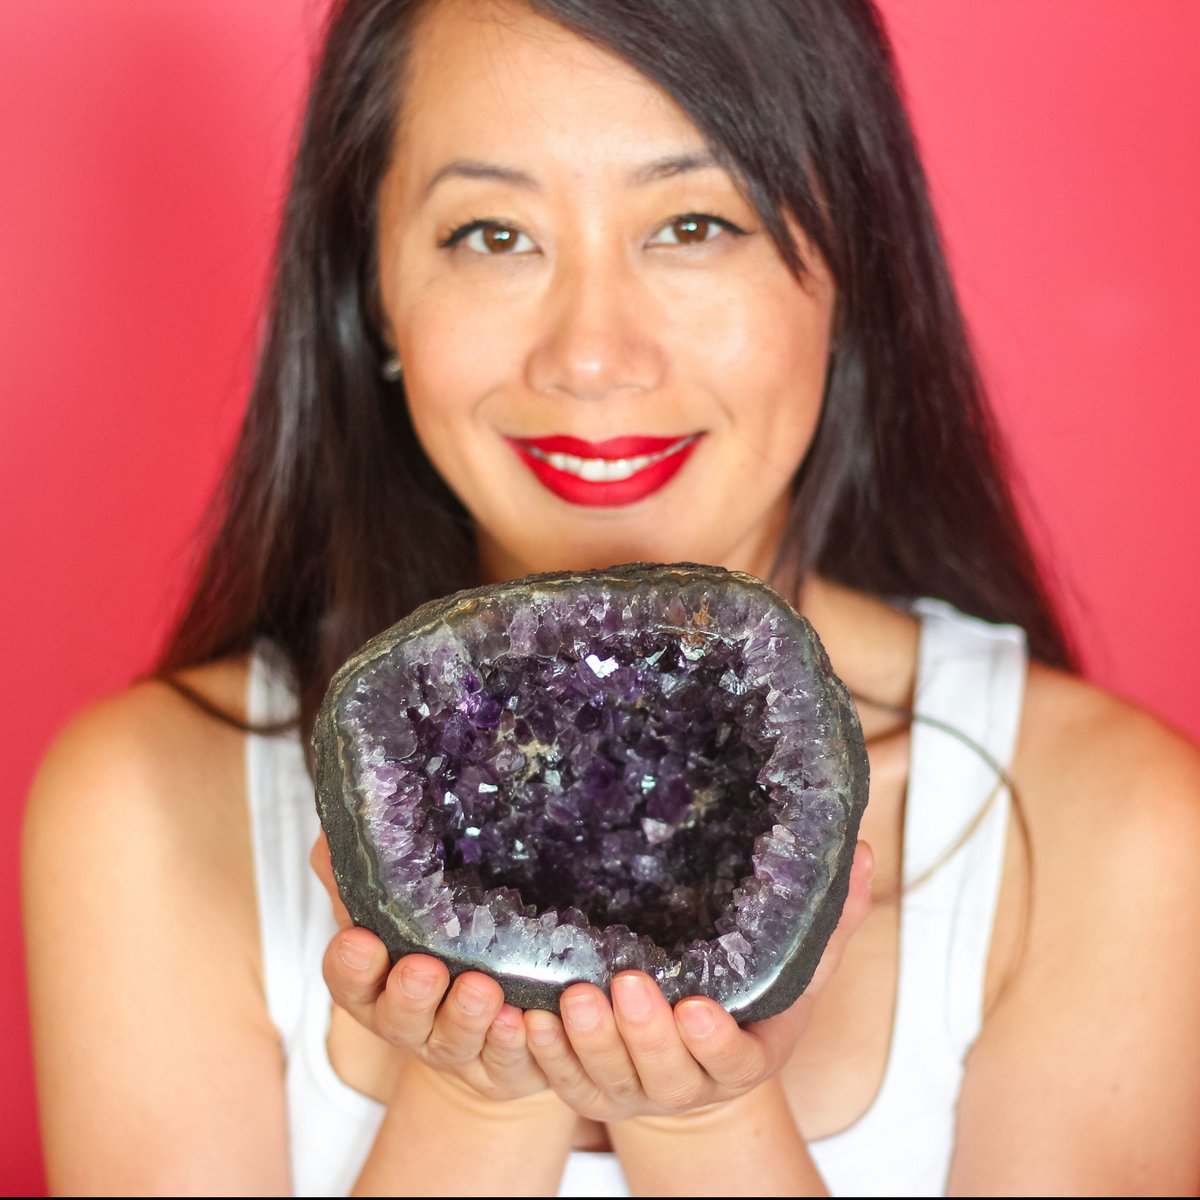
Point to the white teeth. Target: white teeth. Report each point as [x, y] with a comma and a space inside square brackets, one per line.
[596, 470]
[607, 470]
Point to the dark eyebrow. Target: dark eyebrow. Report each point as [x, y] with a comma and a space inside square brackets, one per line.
[474, 168]
[651, 172]
[671, 165]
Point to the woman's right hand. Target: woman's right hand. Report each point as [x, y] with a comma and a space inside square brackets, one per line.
[464, 1030]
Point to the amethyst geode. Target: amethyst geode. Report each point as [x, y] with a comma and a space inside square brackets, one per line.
[566, 776]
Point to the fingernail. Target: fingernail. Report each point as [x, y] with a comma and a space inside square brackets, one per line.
[470, 1000]
[696, 1018]
[354, 954]
[633, 996]
[506, 1033]
[417, 985]
[582, 1013]
[541, 1033]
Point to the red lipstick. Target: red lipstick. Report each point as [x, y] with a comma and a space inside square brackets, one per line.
[606, 474]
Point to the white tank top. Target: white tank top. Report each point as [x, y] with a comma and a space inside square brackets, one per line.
[970, 676]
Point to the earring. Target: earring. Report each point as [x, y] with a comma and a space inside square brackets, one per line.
[392, 370]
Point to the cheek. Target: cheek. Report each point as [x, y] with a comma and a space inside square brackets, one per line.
[760, 348]
[790, 368]
[456, 342]
[455, 355]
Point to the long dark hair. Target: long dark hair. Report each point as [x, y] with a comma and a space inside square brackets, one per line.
[331, 523]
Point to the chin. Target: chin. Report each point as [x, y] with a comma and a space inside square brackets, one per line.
[593, 554]
[596, 559]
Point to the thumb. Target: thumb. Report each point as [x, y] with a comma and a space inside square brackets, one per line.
[778, 1034]
[854, 912]
[322, 864]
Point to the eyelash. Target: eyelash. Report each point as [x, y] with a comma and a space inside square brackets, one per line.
[707, 218]
[462, 232]
[455, 236]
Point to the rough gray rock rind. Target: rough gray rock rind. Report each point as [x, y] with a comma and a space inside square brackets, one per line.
[371, 897]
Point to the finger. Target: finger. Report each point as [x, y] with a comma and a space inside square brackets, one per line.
[591, 1029]
[463, 1020]
[741, 1058]
[670, 1076]
[505, 1055]
[862, 878]
[734, 1059]
[321, 862]
[355, 967]
[854, 912]
[504, 1044]
[405, 1010]
[548, 1043]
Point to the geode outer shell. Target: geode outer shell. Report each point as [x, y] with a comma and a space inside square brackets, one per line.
[559, 778]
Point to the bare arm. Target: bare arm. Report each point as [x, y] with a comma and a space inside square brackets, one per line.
[746, 1147]
[440, 1138]
[157, 1069]
[1086, 1079]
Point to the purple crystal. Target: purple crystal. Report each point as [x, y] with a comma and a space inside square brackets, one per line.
[570, 775]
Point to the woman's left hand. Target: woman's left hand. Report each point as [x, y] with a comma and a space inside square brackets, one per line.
[637, 1057]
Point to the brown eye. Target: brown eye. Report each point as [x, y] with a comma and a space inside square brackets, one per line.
[688, 230]
[693, 229]
[489, 239]
[498, 239]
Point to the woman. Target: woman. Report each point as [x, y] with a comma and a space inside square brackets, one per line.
[563, 285]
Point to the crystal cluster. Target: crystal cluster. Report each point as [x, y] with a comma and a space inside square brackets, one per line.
[570, 775]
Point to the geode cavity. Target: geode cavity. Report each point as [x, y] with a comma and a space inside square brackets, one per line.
[559, 778]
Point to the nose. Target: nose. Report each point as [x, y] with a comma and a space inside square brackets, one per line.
[598, 336]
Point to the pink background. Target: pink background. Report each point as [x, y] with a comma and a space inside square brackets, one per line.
[142, 158]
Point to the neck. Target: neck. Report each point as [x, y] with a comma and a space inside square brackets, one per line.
[871, 645]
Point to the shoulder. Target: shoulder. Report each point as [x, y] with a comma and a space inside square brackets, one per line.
[139, 894]
[1086, 1076]
[141, 799]
[1112, 799]
[150, 716]
[1105, 778]
[147, 761]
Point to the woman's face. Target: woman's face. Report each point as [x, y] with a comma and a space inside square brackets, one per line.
[604, 354]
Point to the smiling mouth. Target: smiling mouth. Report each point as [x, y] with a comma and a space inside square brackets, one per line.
[609, 474]
[606, 470]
